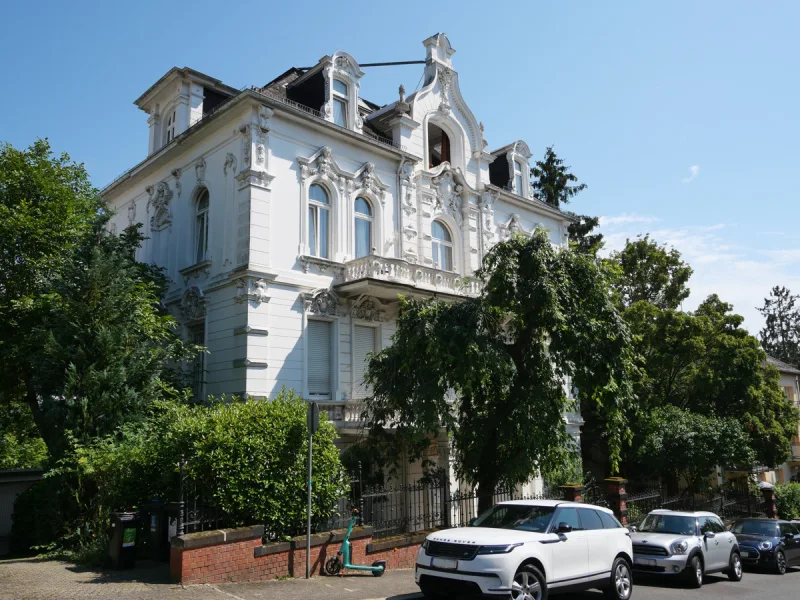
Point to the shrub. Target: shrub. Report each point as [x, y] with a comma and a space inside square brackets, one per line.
[787, 497]
[251, 456]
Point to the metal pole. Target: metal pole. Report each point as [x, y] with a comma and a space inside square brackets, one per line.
[181, 503]
[308, 514]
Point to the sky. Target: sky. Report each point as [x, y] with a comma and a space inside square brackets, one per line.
[682, 117]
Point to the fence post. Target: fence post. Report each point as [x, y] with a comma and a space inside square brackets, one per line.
[446, 501]
[617, 498]
[572, 493]
[181, 501]
[770, 506]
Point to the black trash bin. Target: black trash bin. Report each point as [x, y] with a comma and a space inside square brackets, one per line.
[122, 542]
[162, 526]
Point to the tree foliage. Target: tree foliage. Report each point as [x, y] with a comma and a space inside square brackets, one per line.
[787, 498]
[83, 340]
[581, 236]
[780, 336]
[250, 456]
[490, 370]
[552, 180]
[651, 273]
[684, 445]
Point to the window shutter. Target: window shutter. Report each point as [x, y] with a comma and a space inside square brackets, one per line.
[363, 344]
[319, 358]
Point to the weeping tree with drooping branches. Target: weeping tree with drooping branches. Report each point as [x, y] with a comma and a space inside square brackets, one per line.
[491, 371]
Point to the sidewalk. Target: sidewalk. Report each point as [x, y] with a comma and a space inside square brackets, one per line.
[37, 579]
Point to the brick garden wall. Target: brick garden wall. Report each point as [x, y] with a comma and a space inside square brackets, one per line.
[238, 554]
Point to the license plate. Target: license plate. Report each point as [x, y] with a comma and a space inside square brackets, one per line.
[444, 563]
[645, 561]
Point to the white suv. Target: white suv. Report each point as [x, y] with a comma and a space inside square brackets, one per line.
[527, 549]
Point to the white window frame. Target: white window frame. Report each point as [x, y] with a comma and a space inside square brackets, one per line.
[169, 126]
[316, 206]
[201, 229]
[378, 333]
[443, 243]
[370, 220]
[337, 96]
[333, 396]
[519, 183]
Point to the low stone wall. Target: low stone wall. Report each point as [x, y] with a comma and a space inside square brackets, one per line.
[230, 555]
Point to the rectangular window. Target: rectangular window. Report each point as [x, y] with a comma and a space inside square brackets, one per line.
[364, 343]
[318, 231]
[518, 178]
[340, 112]
[320, 359]
[202, 236]
[197, 335]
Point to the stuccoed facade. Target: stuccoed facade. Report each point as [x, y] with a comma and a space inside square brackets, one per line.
[289, 217]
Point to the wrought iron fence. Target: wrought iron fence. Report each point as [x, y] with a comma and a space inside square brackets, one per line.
[732, 500]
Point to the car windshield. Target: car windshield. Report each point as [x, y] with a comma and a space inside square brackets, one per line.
[669, 524]
[516, 516]
[763, 528]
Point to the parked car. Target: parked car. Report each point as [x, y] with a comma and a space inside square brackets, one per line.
[685, 544]
[528, 549]
[769, 543]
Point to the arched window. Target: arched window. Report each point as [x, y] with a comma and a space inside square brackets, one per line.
[363, 228]
[442, 246]
[201, 226]
[438, 146]
[318, 209]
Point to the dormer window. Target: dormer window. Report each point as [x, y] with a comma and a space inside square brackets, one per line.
[169, 128]
[340, 111]
[438, 146]
[518, 178]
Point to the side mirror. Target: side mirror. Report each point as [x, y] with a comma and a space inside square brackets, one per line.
[789, 536]
[709, 535]
[633, 529]
[564, 528]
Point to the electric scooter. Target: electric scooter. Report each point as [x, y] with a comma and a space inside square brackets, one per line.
[334, 566]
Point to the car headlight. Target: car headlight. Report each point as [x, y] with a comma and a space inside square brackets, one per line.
[504, 549]
[765, 545]
[679, 547]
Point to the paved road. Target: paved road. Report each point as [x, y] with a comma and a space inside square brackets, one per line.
[44, 580]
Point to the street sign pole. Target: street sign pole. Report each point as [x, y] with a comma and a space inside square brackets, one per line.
[313, 425]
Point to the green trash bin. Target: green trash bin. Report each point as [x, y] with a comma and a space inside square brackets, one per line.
[123, 538]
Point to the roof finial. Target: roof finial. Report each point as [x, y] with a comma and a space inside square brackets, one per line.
[402, 93]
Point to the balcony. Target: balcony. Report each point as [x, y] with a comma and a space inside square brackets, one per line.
[386, 277]
[345, 415]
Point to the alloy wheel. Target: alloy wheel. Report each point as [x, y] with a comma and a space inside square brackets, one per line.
[737, 566]
[698, 571]
[622, 581]
[526, 587]
[780, 559]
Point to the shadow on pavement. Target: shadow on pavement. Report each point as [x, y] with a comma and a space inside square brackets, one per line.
[145, 572]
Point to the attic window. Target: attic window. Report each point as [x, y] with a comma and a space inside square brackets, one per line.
[169, 128]
[438, 146]
[518, 177]
[340, 103]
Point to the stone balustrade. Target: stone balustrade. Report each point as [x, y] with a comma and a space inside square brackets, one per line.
[396, 270]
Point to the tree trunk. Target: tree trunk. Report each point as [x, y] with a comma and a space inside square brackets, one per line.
[486, 489]
[38, 418]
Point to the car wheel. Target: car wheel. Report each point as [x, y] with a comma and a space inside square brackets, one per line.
[780, 562]
[621, 585]
[694, 572]
[528, 584]
[735, 569]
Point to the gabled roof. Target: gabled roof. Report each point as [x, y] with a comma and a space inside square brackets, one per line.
[175, 72]
[782, 366]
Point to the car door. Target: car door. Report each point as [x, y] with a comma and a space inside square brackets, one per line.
[716, 550]
[602, 550]
[791, 547]
[570, 555]
[728, 539]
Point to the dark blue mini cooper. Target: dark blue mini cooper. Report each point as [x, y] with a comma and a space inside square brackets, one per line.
[768, 543]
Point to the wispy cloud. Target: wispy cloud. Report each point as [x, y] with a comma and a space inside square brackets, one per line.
[626, 218]
[724, 263]
[694, 171]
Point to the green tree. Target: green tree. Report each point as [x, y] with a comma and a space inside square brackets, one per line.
[679, 444]
[490, 370]
[580, 234]
[21, 446]
[649, 272]
[552, 180]
[83, 341]
[781, 334]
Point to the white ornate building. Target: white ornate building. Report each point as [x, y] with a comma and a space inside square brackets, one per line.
[290, 216]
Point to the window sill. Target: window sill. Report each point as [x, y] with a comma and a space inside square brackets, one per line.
[194, 271]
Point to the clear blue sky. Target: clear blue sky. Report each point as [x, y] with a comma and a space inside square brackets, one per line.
[682, 117]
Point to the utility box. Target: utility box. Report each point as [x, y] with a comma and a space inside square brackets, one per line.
[161, 528]
[122, 542]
